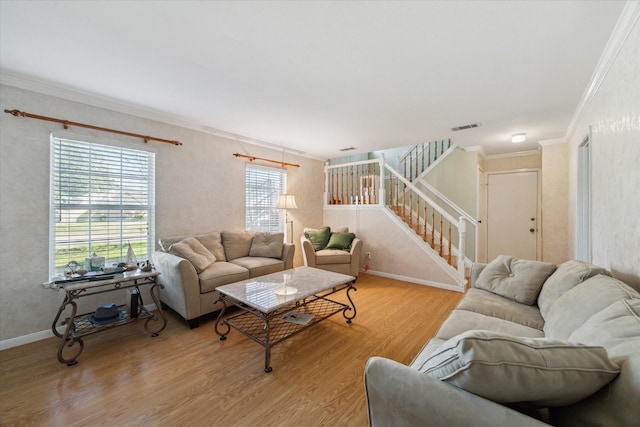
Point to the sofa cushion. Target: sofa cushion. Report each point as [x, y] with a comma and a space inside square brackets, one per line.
[193, 251]
[237, 244]
[318, 237]
[258, 266]
[516, 279]
[213, 242]
[341, 241]
[267, 245]
[460, 321]
[490, 304]
[617, 328]
[568, 275]
[221, 273]
[581, 302]
[332, 256]
[508, 369]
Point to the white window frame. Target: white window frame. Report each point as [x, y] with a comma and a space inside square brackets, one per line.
[261, 201]
[99, 181]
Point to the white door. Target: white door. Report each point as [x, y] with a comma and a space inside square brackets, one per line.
[512, 215]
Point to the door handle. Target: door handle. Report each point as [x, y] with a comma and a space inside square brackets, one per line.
[532, 230]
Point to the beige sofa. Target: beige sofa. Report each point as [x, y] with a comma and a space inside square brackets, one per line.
[567, 354]
[192, 267]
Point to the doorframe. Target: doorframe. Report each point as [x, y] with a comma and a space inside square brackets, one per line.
[538, 172]
[481, 209]
[583, 237]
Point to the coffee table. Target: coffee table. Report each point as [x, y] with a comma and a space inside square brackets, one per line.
[279, 305]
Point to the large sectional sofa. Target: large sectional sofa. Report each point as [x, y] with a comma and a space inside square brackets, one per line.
[529, 344]
[193, 266]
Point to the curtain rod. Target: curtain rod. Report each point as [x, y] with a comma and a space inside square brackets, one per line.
[252, 158]
[67, 123]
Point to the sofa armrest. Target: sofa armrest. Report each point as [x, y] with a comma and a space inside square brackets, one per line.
[181, 284]
[288, 250]
[356, 256]
[476, 269]
[308, 254]
[398, 395]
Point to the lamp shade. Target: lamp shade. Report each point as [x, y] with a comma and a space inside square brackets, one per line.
[287, 201]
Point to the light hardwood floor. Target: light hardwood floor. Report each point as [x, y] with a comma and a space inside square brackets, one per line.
[190, 378]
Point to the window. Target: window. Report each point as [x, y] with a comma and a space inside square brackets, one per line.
[263, 186]
[102, 200]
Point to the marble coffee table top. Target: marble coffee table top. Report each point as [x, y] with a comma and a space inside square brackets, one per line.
[273, 291]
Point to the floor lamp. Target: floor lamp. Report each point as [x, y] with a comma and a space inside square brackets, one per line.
[287, 201]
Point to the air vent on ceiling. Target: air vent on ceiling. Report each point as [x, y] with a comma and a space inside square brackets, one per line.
[348, 149]
[470, 126]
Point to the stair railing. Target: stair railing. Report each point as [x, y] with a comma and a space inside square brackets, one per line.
[422, 156]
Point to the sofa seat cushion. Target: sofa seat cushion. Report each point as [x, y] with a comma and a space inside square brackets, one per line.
[516, 279]
[221, 273]
[460, 321]
[567, 275]
[581, 302]
[508, 369]
[432, 345]
[490, 304]
[237, 244]
[259, 266]
[332, 256]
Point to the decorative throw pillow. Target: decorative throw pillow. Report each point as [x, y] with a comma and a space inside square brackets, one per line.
[193, 251]
[509, 369]
[318, 237]
[267, 245]
[516, 279]
[340, 241]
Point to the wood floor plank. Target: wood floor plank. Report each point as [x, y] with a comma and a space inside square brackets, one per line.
[189, 377]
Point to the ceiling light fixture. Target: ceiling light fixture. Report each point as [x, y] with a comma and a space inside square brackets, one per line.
[518, 137]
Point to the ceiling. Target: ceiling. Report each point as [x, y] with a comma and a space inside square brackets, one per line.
[316, 77]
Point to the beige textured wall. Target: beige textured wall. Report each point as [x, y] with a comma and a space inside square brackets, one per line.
[529, 161]
[554, 203]
[614, 117]
[199, 187]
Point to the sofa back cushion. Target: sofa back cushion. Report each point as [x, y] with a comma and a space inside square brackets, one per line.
[267, 245]
[581, 302]
[617, 328]
[516, 279]
[237, 244]
[568, 275]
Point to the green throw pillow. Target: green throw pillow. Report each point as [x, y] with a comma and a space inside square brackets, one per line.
[341, 241]
[318, 238]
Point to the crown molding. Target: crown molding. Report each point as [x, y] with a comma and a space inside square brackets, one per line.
[96, 100]
[627, 20]
[516, 154]
[555, 141]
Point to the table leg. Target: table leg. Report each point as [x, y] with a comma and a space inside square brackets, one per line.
[155, 318]
[267, 347]
[344, 312]
[67, 339]
[223, 335]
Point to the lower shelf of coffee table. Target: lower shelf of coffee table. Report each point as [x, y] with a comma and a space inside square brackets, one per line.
[253, 324]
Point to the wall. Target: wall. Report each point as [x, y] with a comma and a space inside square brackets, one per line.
[613, 112]
[554, 203]
[512, 162]
[199, 187]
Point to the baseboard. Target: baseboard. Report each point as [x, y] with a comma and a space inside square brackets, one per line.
[445, 286]
[42, 335]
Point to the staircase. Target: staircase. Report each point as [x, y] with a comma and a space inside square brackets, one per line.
[374, 182]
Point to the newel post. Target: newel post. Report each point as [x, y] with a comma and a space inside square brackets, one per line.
[462, 231]
[381, 191]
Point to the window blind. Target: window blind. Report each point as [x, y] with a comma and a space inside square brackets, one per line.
[263, 186]
[102, 200]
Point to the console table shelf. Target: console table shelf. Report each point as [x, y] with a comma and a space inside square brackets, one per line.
[78, 326]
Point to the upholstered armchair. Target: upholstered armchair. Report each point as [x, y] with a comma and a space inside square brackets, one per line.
[338, 251]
